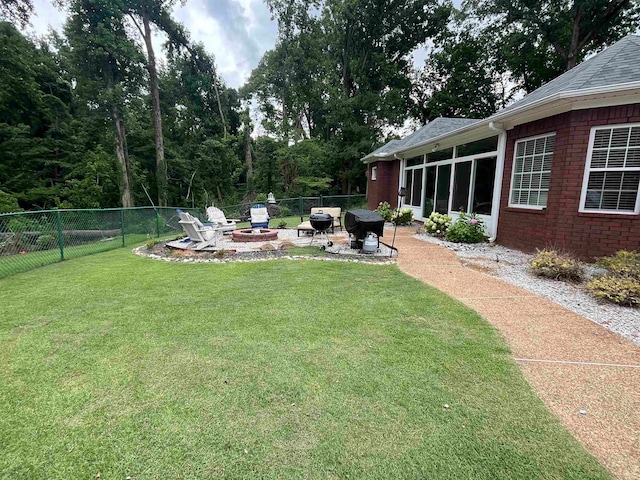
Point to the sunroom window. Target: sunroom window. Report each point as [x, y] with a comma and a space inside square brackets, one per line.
[532, 171]
[612, 176]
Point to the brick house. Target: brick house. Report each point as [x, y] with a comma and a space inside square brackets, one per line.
[559, 168]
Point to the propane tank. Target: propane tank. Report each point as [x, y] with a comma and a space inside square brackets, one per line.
[370, 244]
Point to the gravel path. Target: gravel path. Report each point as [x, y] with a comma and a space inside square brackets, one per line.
[512, 267]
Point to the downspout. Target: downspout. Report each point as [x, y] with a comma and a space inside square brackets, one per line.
[497, 186]
[400, 176]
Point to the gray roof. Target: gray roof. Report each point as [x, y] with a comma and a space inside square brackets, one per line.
[618, 64]
[433, 129]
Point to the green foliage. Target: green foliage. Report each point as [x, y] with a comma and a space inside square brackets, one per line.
[8, 203]
[385, 210]
[460, 78]
[621, 284]
[539, 40]
[153, 242]
[624, 264]
[284, 211]
[261, 198]
[402, 217]
[282, 224]
[467, 229]
[437, 224]
[558, 266]
[624, 291]
[46, 241]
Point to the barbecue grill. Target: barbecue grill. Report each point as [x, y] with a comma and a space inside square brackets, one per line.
[360, 222]
[321, 223]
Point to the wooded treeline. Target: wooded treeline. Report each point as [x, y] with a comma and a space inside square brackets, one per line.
[90, 118]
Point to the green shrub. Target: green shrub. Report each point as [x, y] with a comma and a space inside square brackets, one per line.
[153, 242]
[621, 290]
[467, 229]
[402, 217]
[284, 211]
[551, 264]
[437, 224]
[282, 224]
[261, 198]
[45, 242]
[385, 210]
[622, 264]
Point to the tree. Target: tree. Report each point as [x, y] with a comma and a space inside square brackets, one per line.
[16, 10]
[106, 70]
[540, 39]
[459, 79]
[339, 73]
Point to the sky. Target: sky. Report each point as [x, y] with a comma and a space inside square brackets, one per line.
[237, 32]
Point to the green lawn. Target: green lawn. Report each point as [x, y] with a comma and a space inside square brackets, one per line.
[123, 365]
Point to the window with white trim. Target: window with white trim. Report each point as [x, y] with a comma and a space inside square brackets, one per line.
[374, 173]
[612, 175]
[532, 171]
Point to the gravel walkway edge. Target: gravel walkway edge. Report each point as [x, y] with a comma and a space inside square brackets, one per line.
[512, 266]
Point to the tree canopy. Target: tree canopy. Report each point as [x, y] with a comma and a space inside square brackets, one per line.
[90, 118]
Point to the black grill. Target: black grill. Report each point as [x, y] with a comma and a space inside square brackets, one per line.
[360, 222]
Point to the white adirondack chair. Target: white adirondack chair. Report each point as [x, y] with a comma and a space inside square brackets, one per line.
[215, 215]
[201, 235]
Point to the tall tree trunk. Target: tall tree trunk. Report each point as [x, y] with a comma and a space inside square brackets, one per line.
[123, 158]
[215, 88]
[161, 164]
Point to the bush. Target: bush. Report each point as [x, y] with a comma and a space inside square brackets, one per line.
[467, 229]
[46, 242]
[261, 198]
[621, 283]
[551, 264]
[622, 264]
[437, 224]
[282, 224]
[284, 211]
[620, 290]
[402, 217]
[153, 242]
[385, 210]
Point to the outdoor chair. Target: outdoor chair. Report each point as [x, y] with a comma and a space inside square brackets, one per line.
[202, 236]
[335, 212]
[216, 216]
[259, 216]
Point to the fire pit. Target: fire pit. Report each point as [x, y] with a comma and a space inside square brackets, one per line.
[254, 235]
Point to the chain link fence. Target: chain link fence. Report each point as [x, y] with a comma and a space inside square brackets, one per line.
[32, 239]
[297, 207]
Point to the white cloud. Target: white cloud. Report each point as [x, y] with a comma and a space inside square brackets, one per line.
[237, 32]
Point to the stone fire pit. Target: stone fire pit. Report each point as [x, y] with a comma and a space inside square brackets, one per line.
[254, 235]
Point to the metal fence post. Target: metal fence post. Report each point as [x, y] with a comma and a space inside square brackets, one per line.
[320, 201]
[157, 224]
[122, 224]
[301, 205]
[60, 240]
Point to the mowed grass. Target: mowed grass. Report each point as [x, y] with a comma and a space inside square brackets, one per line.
[124, 365]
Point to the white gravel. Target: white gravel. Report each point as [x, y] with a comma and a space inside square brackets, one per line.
[512, 266]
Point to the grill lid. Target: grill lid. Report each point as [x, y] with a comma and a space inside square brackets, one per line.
[320, 221]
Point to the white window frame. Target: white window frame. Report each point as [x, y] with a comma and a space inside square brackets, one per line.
[588, 170]
[374, 173]
[513, 172]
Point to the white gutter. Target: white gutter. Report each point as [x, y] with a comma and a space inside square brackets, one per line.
[400, 177]
[497, 186]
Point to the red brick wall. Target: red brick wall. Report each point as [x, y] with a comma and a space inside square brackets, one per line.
[385, 187]
[560, 226]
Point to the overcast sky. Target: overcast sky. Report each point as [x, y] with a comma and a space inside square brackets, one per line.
[237, 32]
